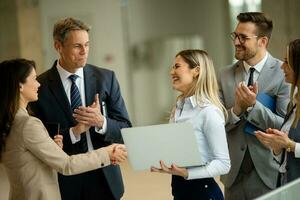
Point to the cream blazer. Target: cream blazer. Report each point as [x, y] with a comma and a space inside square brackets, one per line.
[32, 160]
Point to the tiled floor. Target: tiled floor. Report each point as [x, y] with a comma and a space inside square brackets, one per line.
[138, 185]
[145, 185]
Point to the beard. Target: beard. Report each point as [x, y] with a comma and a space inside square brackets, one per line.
[243, 53]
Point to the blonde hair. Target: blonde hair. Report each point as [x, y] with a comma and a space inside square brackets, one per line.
[205, 85]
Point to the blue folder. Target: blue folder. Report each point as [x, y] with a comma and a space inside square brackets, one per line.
[269, 102]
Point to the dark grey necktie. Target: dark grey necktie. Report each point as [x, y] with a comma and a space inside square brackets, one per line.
[250, 81]
[75, 103]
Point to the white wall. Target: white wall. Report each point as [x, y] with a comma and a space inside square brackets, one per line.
[285, 15]
[9, 46]
[154, 29]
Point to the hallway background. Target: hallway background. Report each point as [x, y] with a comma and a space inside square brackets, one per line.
[138, 39]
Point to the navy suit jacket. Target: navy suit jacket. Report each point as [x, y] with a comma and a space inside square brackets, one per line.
[53, 107]
[293, 163]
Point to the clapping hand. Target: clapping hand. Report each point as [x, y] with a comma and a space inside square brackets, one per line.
[274, 139]
[91, 115]
[244, 97]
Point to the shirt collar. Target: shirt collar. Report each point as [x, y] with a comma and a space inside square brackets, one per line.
[23, 110]
[192, 101]
[64, 74]
[258, 67]
[295, 96]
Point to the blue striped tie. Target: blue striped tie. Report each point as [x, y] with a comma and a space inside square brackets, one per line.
[75, 103]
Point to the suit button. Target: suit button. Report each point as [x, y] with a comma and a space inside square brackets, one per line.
[243, 148]
[102, 164]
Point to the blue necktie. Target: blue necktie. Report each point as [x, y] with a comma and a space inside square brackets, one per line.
[75, 103]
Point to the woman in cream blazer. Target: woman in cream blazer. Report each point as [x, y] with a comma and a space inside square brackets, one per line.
[31, 158]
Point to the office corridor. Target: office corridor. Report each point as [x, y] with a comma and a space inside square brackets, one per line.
[138, 184]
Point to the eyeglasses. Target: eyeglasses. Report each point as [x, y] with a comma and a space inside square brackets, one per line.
[242, 38]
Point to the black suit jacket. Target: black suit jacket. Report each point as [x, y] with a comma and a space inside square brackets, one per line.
[53, 106]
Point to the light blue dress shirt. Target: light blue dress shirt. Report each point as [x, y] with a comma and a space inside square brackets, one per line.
[209, 125]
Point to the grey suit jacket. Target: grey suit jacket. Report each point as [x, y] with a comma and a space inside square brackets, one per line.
[270, 81]
[31, 159]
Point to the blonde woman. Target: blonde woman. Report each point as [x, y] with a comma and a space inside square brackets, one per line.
[193, 75]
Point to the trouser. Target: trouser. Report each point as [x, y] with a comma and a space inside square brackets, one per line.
[204, 189]
[248, 185]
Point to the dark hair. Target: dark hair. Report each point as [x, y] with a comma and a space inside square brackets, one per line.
[263, 23]
[13, 72]
[64, 26]
[293, 60]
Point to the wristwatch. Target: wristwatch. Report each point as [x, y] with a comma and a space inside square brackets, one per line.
[289, 146]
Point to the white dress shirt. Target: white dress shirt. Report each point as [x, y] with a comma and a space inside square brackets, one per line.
[208, 123]
[258, 67]
[64, 76]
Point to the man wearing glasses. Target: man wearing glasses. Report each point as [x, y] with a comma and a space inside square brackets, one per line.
[253, 170]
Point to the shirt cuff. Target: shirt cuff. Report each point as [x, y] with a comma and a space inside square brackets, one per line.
[74, 139]
[234, 118]
[297, 150]
[102, 130]
[249, 109]
[195, 173]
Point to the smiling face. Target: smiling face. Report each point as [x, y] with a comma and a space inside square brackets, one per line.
[289, 73]
[182, 75]
[249, 48]
[29, 89]
[74, 50]
[252, 46]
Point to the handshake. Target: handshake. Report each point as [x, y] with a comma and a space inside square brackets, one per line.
[117, 153]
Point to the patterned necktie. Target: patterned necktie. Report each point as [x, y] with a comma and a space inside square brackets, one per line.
[75, 103]
[250, 81]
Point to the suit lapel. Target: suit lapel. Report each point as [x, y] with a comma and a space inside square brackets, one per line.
[58, 91]
[90, 87]
[90, 83]
[264, 75]
[239, 73]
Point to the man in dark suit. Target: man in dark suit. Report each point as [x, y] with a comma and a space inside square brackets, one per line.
[253, 171]
[97, 117]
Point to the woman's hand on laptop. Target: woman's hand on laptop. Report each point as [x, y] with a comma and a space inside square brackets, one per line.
[173, 169]
[117, 153]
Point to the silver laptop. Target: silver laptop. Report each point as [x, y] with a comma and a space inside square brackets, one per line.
[172, 143]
